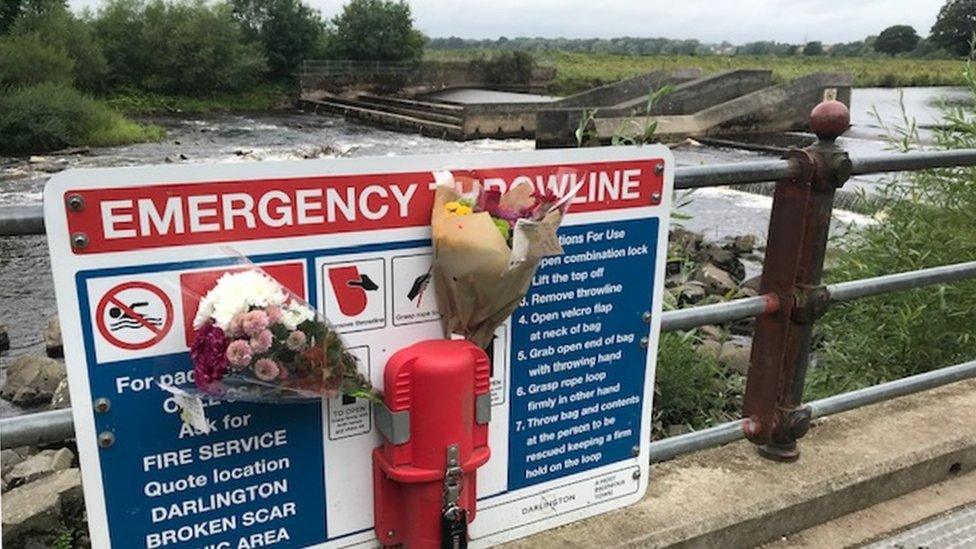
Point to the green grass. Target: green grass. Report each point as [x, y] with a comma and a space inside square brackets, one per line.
[579, 71]
[262, 98]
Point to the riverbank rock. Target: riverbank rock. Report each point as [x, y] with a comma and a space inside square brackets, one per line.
[735, 356]
[39, 465]
[41, 507]
[715, 279]
[61, 397]
[4, 338]
[32, 380]
[52, 338]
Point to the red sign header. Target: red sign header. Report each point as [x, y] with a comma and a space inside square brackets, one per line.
[154, 216]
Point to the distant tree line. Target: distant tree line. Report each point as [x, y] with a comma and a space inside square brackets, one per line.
[950, 37]
[626, 45]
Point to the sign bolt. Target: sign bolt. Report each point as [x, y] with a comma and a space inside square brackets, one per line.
[79, 240]
[644, 342]
[102, 405]
[636, 475]
[646, 317]
[390, 533]
[659, 168]
[635, 451]
[655, 197]
[75, 202]
[106, 439]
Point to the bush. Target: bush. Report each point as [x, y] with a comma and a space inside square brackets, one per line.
[177, 47]
[52, 116]
[505, 68]
[926, 221]
[691, 388]
[26, 60]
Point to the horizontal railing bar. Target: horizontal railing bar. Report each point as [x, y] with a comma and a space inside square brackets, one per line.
[37, 428]
[55, 426]
[856, 289]
[911, 161]
[692, 317]
[739, 173]
[21, 220]
[671, 447]
[892, 389]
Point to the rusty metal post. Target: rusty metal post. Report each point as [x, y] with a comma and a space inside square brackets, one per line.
[792, 270]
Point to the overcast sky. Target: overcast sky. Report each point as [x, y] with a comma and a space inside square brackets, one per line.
[737, 21]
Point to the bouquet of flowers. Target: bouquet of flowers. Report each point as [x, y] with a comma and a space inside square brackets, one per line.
[487, 247]
[256, 341]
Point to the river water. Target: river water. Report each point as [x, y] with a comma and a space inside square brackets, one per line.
[26, 295]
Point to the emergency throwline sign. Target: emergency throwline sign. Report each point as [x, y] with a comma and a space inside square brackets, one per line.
[572, 371]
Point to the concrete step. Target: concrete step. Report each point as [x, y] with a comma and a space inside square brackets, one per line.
[415, 111]
[383, 118]
[441, 108]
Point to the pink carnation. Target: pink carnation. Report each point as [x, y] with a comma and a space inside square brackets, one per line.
[239, 354]
[254, 323]
[282, 373]
[274, 313]
[235, 328]
[296, 340]
[266, 369]
[261, 342]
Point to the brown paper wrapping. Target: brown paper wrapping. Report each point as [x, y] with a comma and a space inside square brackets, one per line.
[478, 283]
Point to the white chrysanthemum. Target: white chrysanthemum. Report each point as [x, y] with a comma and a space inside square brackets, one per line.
[293, 315]
[237, 293]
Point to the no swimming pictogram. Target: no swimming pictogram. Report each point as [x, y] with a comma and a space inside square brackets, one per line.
[134, 315]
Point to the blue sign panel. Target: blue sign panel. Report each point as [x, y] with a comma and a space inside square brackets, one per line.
[578, 390]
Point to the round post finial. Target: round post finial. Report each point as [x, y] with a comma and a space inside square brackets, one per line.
[830, 119]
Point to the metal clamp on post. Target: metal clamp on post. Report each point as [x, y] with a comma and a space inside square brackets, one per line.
[810, 303]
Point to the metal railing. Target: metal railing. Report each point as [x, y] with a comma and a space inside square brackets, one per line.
[791, 298]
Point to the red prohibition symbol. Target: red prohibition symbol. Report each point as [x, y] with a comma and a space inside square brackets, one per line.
[157, 329]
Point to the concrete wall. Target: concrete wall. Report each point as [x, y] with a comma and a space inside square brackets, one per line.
[556, 123]
[777, 108]
[500, 120]
[691, 97]
[638, 86]
[780, 108]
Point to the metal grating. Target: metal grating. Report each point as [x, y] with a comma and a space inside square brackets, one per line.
[957, 530]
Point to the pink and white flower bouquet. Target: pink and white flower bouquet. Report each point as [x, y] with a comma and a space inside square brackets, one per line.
[256, 341]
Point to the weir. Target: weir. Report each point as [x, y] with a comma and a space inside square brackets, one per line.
[730, 103]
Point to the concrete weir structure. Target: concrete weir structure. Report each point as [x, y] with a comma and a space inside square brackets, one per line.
[448, 114]
[732, 102]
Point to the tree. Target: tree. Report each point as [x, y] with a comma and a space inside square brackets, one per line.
[59, 28]
[380, 30]
[10, 10]
[288, 30]
[955, 26]
[897, 39]
[813, 48]
[192, 47]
